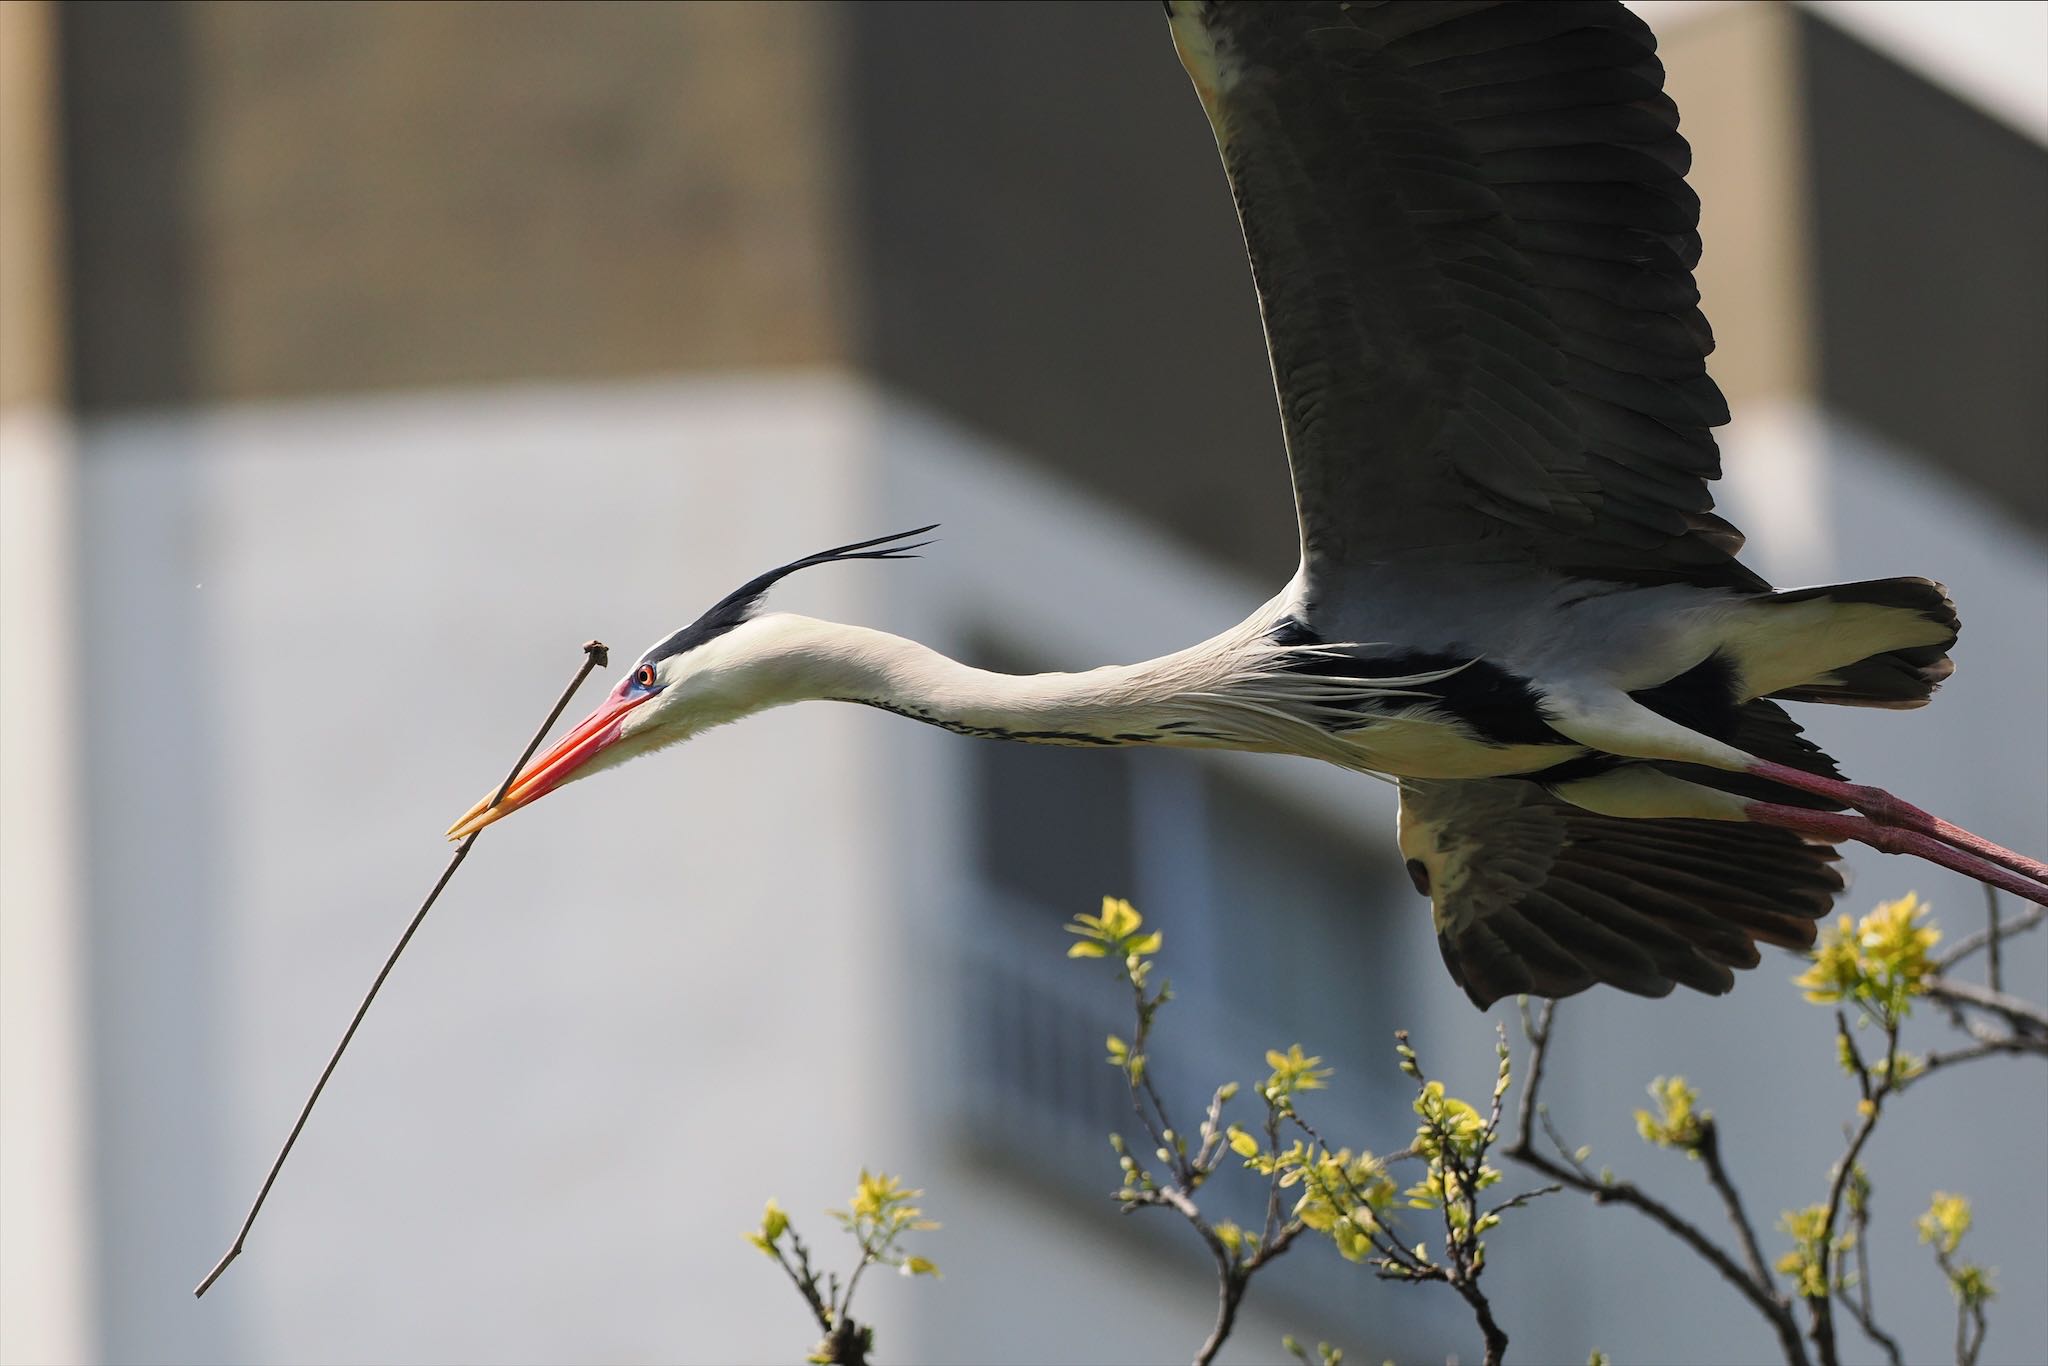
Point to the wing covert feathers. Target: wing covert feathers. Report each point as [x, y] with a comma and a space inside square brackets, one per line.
[1530, 894]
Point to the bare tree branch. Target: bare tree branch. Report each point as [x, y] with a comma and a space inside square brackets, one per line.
[1570, 1172]
[1859, 1306]
[1993, 936]
[2023, 1016]
[1717, 1175]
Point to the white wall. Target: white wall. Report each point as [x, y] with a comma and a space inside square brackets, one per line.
[316, 631]
[46, 1301]
[321, 630]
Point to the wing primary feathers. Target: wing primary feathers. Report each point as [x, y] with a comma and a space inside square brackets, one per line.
[1473, 244]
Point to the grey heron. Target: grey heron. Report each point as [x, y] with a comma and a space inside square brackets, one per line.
[1473, 246]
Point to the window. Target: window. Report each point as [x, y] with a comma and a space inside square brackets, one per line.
[1278, 931]
[1303, 935]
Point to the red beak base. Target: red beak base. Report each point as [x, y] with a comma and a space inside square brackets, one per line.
[591, 735]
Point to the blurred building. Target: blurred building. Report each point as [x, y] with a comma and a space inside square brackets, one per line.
[360, 361]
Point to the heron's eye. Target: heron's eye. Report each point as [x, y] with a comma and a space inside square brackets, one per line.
[644, 676]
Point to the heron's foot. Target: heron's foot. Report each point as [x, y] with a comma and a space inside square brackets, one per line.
[1835, 826]
[1890, 812]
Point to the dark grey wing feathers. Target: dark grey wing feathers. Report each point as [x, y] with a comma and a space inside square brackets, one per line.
[1530, 894]
[1473, 245]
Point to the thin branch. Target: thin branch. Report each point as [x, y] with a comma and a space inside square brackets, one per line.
[1271, 1228]
[1518, 1201]
[1626, 1193]
[1456, 1168]
[1537, 1032]
[1994, 940]
[1210, 1152]
[1496, 1340]
[1863, 1319]
[1573, 1174]
[1230, 1277]
[1969, 1315]
[1157, 1123]
[1997, 933]
[2001, 1041]
[867, 1258]
[1859, 1306]
[1186, 1173]
[595, 656]
[2021, 1015]
[1709, 1151]
[805, 1280]
[1231, 1294]
[1821, 1306]
[1987, 1048]
[1235, 1282]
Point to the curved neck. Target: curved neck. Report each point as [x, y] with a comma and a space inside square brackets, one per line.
[1116, 704]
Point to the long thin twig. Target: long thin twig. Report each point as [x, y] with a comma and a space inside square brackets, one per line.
[1994, 941]
[1865, 1320]
[1934, 1062]
[1717, 1175]
[1875, 1090]
[595, 656]
[1572, 1173]
[1860, 1306]
[1994, 934]
[1969, 1315]
[1187, 1172]
[1821, 1306]
[2021, 1015]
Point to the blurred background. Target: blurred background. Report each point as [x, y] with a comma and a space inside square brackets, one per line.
[357, 362]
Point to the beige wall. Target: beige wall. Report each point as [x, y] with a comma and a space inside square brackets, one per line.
[334, 198]
[30, 336]
[1733, 69]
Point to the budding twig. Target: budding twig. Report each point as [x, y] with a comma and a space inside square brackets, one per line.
[595, 656]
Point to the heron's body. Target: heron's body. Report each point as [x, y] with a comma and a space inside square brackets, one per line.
[1473, 245]
[1389, 692]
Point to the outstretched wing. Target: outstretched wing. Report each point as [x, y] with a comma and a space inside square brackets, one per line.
[1530, 894]
[1473, 244]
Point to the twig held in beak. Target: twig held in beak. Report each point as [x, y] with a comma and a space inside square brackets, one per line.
[595, 656]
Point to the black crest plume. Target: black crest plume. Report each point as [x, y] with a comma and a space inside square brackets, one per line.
[736, 606]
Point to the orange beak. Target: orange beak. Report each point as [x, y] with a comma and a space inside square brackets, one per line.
[591, 735]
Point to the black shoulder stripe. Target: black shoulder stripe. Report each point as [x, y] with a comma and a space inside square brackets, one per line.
[1497, 705]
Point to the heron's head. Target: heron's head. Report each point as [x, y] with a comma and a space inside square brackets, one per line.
[710, 672]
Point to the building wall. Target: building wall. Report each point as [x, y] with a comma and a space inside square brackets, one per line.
[736, 970]
[356, 289]
[721, 975]
[281, 200]
[47, 1299]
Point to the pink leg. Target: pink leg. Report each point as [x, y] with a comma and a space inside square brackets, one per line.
[1833, 826]
[1882, 807]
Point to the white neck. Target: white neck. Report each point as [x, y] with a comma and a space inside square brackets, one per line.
[791, 658]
